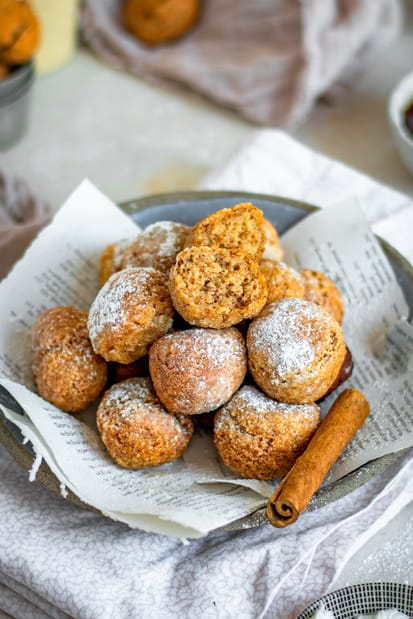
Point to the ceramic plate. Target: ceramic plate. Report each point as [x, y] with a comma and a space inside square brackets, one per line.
[365, 599]
[188, 208]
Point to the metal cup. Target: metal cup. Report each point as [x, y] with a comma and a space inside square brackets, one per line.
[14, 104]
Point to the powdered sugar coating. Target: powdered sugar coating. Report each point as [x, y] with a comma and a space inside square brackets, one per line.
[285, 336]
[128, 394]
[290, 270]
[251, 400]
[118, 250]
[111, 259]
[296, 350]
[131, 310]
[261, 438]
[253, 411]
[169, 234]
[157, 246]
[109, 308]
[197, 370]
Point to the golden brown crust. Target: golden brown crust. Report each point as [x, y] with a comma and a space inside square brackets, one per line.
[157, 246]
[320, 289]
[295, 350]
[272, 249]
[66, 370]
[282, 281]
[261, 438]
[111, 260]
[53, 328]
[214, 287]
[160, 21]
[344, 374]
[135, 428]
[197, 370]
[19, 32]
[130, 312]
[238, 228]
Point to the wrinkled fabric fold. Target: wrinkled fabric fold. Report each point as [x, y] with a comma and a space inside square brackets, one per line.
[19, 601]
[22, 215]
[268, 60]
[90, 567]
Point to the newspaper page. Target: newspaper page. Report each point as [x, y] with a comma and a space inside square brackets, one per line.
[339, 242]
[195, 494]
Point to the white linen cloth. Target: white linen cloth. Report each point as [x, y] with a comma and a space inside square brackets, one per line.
[57, 560]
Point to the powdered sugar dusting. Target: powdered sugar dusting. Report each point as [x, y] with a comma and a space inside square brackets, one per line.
[219, 348]
[118, 250]
[291, 271]
[282, 334]
[108, 308]
[80, 355]
[157, 246]
[208, 364]
[251, 400]
[138, 390]
[131, 398]
[123, 401]
[170, 236]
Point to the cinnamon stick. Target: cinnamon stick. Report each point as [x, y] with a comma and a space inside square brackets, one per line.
[292, 496]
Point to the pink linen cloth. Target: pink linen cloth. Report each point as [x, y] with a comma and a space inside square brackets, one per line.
[268, 59]
[22, 215]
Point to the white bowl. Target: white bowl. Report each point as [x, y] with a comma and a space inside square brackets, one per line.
[399, 100]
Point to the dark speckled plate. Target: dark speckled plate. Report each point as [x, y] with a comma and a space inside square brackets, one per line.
[364, 599]
[188, 208]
